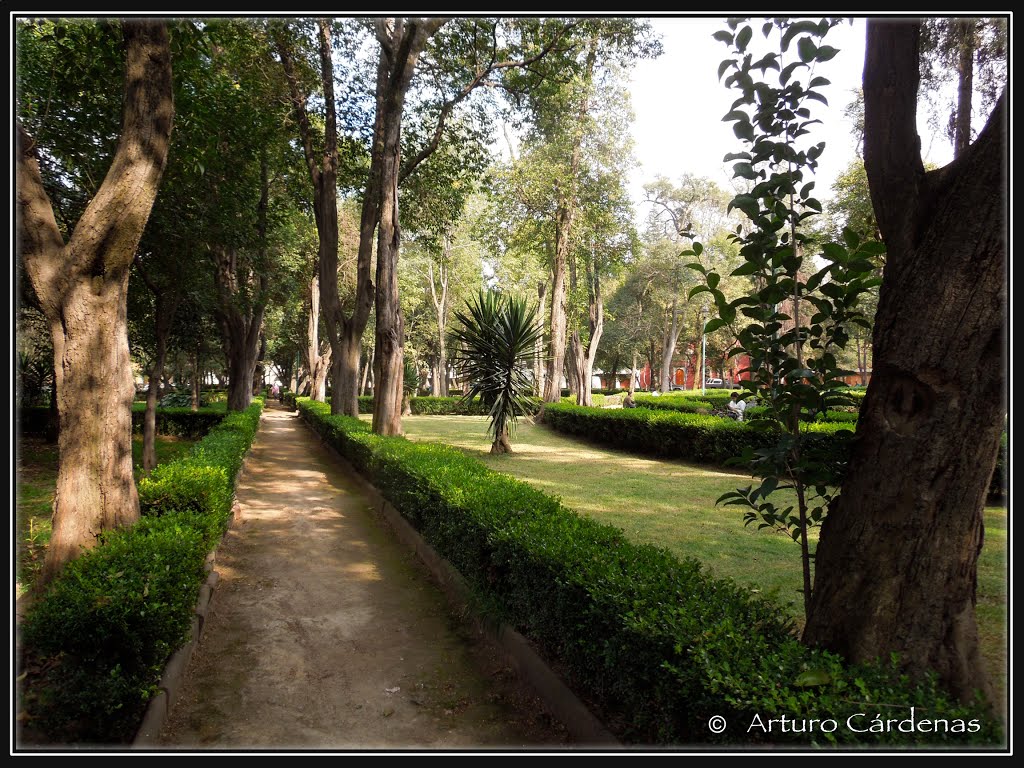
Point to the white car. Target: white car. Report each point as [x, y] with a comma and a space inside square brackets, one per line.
[714, 384]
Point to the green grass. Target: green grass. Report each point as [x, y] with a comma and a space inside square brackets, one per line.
[672, 504]
[37, 480]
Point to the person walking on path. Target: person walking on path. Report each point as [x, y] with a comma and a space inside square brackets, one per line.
[325, 633]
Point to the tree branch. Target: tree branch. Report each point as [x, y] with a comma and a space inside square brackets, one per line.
[892, 148]
[298, 103]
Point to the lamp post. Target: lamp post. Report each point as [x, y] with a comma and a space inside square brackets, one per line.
[703, 346]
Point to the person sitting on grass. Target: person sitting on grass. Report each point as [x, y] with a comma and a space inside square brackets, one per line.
[629, 402]
[737, 406]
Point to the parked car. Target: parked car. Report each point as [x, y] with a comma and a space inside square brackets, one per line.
[714, 384]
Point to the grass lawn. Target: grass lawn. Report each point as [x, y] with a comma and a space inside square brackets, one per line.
[37, 479]
[672, 504]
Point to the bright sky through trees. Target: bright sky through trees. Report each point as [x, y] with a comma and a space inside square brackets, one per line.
[679, 104]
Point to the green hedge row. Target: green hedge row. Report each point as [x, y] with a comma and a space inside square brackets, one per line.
[674, 434]
[422, 406]
[101, 633]
[180, 422]
[657, 645]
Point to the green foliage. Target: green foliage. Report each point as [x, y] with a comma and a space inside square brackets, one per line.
[673, 403]
[181, 422]
[109, 623]
[180, 399]
[497, 336]
[653, 642]
[796, 319]
[99, 636]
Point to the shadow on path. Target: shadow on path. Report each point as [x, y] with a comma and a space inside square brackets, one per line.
[325, 633]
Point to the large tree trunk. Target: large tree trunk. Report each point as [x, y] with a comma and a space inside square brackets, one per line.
[401, 42]
[82, 288]
[344, 333]
[896, 566]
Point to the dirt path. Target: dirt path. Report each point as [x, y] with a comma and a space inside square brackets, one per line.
[325, 633]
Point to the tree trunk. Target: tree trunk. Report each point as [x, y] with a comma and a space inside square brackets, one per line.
[82, 288]
[965, 85]
[401, 42]
[556, 355]
[318, 363]
[668, 348]
[165, 308]
[633, 375]
[196, 380]
[440, 301]
[896, 566]
[344, 333]
[501, 444]
[364, 387]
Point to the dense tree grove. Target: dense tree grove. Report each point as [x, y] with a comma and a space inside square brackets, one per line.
[350, 206]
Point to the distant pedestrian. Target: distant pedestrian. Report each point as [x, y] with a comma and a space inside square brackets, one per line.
[737, 406]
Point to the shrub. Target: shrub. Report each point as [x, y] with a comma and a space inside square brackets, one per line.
[673, 403]
[656, 644]
[106, 625]
[181, 422]
[180, 399]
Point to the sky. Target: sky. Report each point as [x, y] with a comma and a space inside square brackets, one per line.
[679, 104]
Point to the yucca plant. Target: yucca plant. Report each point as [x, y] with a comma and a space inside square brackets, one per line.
[496, 335]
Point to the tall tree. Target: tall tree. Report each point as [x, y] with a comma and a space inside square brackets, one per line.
[896, 566]
[82, 283]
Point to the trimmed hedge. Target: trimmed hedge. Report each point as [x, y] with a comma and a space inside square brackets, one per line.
[673, 403]
[104, 628]
[711, 439]
[180, 422]
[426, 406]
[656, 644]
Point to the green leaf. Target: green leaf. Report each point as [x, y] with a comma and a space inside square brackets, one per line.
[816, 81]
[796, 29]
[698, 289]
[713, 325]
[697, 268]
[766, 28]
[724, 66]
[812, 677]
[825, 53]
[698, 249]
[743, 130]
[713, 279]
[735, 114]
[743, 37]
[814, 95]
[736, 156]
[806, 48]
[851, 237]
[749, 268]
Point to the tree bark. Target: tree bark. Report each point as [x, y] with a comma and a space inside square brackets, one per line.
[585, 354]
[965, 85]
[401, 43]
[165, 309]
[82, 288]
[538, 351]
[439, 298]
[317, 363]
[344, 333]
[668, 347]
[896, 566]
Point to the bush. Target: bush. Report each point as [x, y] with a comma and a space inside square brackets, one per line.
[180, 399]
[679, 403]
[288, 398]
[180, 422]
[652, 641]
[106, 625]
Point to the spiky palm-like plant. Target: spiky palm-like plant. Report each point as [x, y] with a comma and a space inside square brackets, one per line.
[496, 336]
